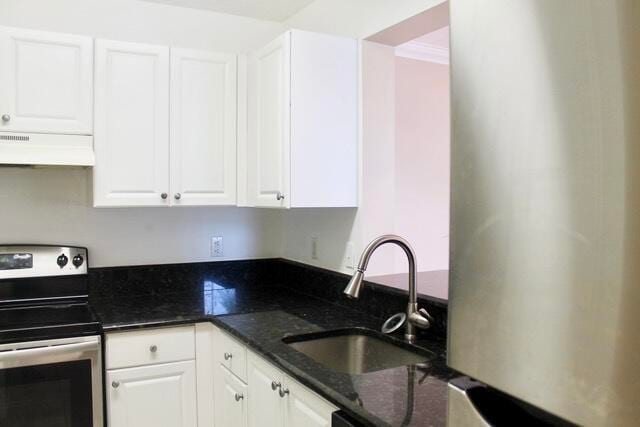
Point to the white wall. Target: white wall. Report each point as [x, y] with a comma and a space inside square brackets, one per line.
[422, 161]
[44, 205]
[335, 228]
[54, 205]
[360, 19]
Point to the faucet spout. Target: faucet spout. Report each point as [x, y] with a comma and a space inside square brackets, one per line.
[415, 317]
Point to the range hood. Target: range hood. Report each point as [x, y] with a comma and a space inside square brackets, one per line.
[46, 149]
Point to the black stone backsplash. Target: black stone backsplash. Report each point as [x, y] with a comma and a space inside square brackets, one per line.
[172, 278]
[375, 300]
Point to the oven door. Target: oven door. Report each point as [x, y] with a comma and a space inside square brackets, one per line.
[55, 383]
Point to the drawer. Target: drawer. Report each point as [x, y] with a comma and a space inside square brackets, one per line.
[149, 346]
[231, 354]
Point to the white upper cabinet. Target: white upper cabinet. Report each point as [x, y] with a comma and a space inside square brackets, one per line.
[165, 126]
[268, 124]
[131, 124]
[203, 128]
[302, 114]
[46, 82]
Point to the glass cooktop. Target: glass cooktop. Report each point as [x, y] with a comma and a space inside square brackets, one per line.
[33, 322]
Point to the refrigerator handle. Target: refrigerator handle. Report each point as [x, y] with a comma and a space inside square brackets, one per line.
[461, 412]
[474, 404]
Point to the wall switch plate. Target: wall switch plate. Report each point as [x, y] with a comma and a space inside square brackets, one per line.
[314, 247]
[217, 249]
[349, 257]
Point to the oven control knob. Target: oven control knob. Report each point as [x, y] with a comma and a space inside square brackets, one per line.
[62, 260]
[77, 260]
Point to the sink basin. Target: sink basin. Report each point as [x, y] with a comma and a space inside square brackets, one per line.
[357, 351]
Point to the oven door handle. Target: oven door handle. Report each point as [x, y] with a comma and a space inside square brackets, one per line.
[50, 350]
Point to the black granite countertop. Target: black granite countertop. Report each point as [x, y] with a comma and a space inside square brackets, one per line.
[261, 317]
[260, 302]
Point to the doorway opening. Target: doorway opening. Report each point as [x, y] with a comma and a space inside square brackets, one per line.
[406, 146]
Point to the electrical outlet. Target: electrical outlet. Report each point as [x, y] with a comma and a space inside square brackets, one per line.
[349, 257]
[217, 249]
[314, 247]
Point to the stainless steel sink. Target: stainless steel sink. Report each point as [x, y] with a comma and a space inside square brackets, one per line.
[357, 351]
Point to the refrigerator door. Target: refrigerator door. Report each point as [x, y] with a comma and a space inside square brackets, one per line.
[545, 232]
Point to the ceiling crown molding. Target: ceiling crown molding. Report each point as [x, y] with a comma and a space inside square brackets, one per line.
[423, 52]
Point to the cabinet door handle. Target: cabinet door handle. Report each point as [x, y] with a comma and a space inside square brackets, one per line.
[6, 118]
[115, 384]
[153, 348]
[163, 196]
[275, 385]
[228, 356]
[283, 392]
[177, 196]
[239, 397]
[279, 196]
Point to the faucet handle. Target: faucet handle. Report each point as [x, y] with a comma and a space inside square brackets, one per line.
[421, 319]
[426, 314]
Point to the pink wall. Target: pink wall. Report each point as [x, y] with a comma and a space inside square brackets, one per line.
[422, 161]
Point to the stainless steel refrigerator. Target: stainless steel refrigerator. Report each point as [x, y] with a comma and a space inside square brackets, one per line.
[545, 229]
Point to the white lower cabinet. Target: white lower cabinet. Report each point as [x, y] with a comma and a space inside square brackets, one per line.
[155, 377]
[231, 399]
[153, 396]
[265, 404]
[269, 398]
[199, 376]
[305, 408]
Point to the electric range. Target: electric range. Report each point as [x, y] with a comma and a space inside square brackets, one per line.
[50, 344]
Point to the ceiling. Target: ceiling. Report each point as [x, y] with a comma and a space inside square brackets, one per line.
[431, 47]
[269, 10]
[438, 38]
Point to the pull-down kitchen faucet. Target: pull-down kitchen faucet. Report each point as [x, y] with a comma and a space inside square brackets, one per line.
[415, 317]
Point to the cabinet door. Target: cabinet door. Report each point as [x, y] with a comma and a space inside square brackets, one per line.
[131, 124]
[152, 396]
[203, 128]
[265, 405]
[305, 408]
[46, 82]
[230, 399]
[268, 124]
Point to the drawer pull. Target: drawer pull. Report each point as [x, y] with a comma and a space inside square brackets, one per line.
[283, 392]
[153, 348]
[239, 397]
[115, 384]
[227, 356]
[275, 385]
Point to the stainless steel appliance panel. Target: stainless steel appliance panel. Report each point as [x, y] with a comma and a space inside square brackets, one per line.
[545, 234]
[54, 381]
